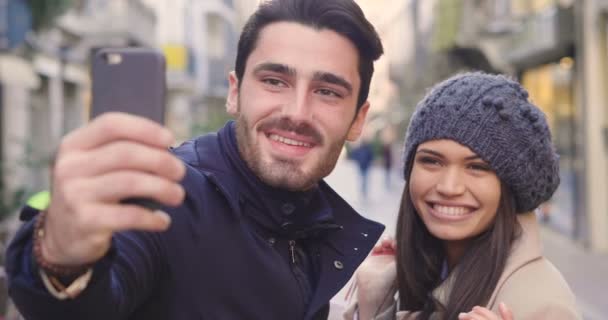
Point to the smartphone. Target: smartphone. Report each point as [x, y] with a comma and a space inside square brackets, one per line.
[130, 80]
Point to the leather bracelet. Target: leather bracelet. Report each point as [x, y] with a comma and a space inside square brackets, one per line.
[54, 270]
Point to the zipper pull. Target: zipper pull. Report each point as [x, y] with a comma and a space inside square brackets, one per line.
[292, 249]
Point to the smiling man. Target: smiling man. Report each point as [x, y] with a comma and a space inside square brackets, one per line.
[249, 229]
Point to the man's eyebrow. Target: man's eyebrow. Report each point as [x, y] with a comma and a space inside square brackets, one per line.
[333, 79]
[275, 67]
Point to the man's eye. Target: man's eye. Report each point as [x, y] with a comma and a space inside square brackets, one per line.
[327, 92]
[273, 82]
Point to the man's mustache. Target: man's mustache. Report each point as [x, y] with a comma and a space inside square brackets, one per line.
[286, 124]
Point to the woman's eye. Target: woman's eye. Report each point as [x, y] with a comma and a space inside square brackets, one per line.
[480, 167]
[428, 160]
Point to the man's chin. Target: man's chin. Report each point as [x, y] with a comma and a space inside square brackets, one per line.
[287, 177]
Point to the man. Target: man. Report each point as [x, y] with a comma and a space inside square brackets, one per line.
[250, 231]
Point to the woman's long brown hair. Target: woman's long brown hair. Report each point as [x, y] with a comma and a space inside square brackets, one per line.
[420, 257]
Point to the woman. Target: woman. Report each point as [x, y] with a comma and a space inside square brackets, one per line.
[478, 161]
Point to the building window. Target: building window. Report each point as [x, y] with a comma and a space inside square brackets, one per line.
[501, 9]
[528, 7]
[216, 36]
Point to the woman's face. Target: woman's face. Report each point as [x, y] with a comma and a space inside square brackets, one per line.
[454, 191]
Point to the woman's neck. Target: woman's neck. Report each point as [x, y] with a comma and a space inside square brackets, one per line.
[454, 250]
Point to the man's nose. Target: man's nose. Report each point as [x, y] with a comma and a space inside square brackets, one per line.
[299, 108]
[451, 182]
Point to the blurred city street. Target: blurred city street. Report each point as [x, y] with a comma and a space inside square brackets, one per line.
[557, 50]
[584, 271]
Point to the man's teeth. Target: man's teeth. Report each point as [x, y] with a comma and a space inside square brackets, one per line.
[450, 211]
[288, 141]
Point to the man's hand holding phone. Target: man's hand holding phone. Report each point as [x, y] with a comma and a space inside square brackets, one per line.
[114, 157]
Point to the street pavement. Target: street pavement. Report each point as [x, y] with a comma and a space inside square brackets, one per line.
[586, 272]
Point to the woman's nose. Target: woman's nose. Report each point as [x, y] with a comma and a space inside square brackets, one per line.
[451, 183]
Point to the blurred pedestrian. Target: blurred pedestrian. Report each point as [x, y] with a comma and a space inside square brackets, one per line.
[387, 164]
[249, 228]
[388, 138]
[363, 155]
[479, 160]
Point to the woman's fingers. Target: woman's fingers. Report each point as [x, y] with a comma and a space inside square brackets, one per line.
[505, 312]
[385, 246]
[479, 313]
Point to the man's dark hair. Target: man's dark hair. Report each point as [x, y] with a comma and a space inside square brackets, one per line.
[344, 17]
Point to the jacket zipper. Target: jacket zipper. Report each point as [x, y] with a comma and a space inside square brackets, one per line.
[298, 272]
[292, 251]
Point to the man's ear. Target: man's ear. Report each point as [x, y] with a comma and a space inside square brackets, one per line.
[357, 126]
[232, 100]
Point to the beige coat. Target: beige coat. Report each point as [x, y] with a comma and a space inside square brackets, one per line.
[530, 285]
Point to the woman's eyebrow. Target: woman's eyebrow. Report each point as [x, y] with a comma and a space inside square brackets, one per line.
[432, 152]
[438, 154]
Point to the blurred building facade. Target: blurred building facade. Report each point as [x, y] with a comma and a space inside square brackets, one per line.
[45, 85]
[385, 110]
[559, 51]
[44, 78]
[45, 81]
[199, 39]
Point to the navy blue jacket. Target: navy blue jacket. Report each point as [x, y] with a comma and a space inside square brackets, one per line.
[222, 257]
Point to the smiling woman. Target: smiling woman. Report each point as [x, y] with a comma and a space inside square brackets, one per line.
[478, 160]
[455, 193]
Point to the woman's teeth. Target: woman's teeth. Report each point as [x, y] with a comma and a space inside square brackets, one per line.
[450, 211]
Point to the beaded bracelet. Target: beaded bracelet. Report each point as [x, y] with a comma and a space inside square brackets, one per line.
[49, 268]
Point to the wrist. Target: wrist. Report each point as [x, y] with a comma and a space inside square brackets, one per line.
[43, 249]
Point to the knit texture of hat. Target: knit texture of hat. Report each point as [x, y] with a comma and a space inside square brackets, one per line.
[491, 115]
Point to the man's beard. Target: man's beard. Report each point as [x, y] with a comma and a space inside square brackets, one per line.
[284, 173]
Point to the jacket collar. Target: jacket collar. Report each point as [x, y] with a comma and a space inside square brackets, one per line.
[527, 248]
[208, 154]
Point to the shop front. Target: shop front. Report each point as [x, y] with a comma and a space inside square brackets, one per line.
[551, 87]
[543, 55]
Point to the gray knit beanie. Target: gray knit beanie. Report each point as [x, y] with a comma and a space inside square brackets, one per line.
[491, 115]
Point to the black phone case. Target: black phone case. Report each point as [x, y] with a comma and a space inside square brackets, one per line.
[135, 85]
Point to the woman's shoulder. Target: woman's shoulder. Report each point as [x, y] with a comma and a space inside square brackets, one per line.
[537, 290]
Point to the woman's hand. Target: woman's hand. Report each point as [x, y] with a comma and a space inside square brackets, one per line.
[386, 246]
[379, 270]
[376, 279]
[481, 313]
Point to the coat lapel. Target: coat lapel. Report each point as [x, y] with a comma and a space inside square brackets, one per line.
[527, 248]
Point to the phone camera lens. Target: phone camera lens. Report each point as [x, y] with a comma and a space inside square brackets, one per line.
[113, 58]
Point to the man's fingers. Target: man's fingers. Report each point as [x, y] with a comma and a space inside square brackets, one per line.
[120, 155]
[116, 218]
[117, 126]
[118, 185]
